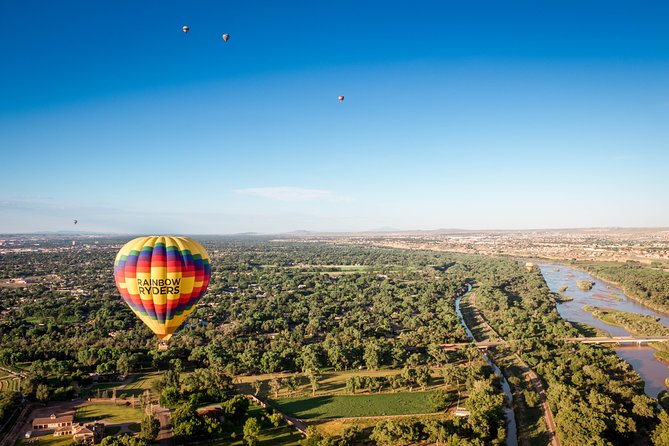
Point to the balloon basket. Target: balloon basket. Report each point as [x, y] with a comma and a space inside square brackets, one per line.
[163, 345]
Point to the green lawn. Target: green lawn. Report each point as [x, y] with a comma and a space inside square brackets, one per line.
[92, 392]
[46, 440]
[366, 405]
[108, 412]
[141, 383]
[329, 384]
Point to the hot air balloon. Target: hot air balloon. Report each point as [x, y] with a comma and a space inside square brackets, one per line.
[341, 98]
[162, 278]
[225, 37]
[76, 221]
[185, 29]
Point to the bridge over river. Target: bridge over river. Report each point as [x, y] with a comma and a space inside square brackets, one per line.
[601, 340]
[620, 340]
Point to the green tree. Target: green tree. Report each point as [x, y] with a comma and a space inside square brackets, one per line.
[275, 386]
[42, 393]
[351, 434]
[439, 400]
[372, 354]
[276, 419]
[150, 428]
[423, 377]
[251, 431]
[313, 376]
[170, 397]
[257, 387]
[123, 364]
[660, 436]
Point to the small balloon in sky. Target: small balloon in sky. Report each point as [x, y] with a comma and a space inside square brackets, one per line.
[76, 221]
[185, 28]
[341, 98]
[225, 37]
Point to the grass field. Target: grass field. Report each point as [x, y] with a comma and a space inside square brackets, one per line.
[92, 392]
[133, 389]
[330, 383]
[46, 440]
[140, 384]
[283, 435]
[108, 412]
[365, 405]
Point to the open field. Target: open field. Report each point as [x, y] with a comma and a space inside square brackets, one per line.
[330, 383]
[140, 384]
[46, 440]
[365, 405]
[108, 412]
[134, 388]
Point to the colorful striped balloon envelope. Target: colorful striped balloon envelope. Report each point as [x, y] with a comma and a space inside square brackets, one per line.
[162, 278]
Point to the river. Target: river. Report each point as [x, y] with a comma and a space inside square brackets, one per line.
[511, 431]
[605, 295]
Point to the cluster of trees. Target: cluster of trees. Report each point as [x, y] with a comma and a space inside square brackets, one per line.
[148, 433]
[270, 307]
[200, 386]
[285, 306]
[9, 402]
[597, 397]
[638, 324]
[484, 426]
[645, 283]
[410, 378]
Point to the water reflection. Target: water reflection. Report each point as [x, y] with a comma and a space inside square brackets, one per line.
[605, 295]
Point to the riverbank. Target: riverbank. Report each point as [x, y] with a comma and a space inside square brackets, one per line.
[636, 324]
[664, 309]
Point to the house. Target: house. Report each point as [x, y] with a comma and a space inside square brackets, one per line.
[90, 433]
[53, 422]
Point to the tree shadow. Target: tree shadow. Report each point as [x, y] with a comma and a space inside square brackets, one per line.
[305, 408]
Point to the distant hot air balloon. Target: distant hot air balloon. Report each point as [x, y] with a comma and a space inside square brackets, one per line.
[185, 29]
[225, 37]
[162, 278]
[341, 98]
[76, 221]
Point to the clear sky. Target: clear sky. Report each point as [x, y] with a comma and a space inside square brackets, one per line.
[457, 114]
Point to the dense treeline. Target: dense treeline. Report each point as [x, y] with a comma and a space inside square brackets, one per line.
[597, 397]
[270, 307]
[647, 284]
[284, 306]
[9, 402]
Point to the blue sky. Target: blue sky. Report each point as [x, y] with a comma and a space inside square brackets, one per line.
[477, 114]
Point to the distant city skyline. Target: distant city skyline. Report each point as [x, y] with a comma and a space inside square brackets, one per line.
[476, 115]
